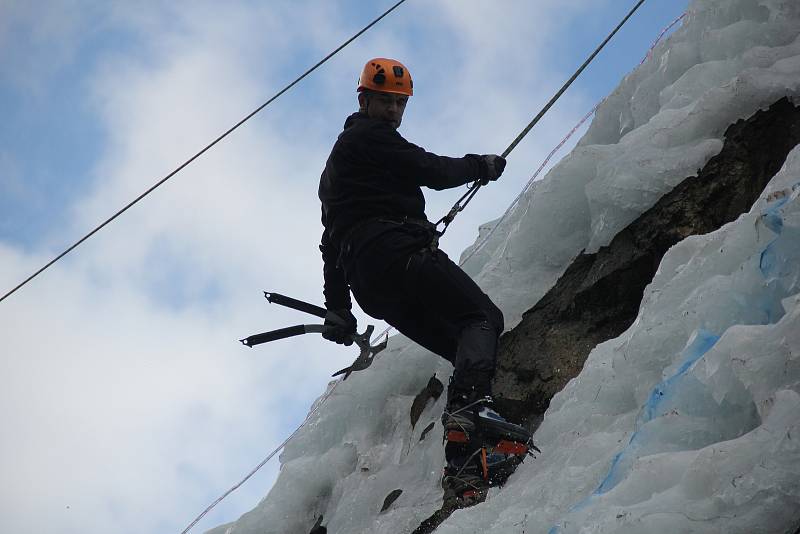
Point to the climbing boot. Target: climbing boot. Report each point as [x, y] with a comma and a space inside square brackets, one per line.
[469, 417]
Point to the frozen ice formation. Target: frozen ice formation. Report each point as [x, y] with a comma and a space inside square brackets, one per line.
[664, 121]
[689, 421]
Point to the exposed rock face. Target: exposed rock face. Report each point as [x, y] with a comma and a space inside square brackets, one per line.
[598, 296]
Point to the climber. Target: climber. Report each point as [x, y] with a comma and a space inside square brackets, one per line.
[378, 243]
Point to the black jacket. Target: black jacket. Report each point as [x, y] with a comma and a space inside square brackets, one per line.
[373, 172]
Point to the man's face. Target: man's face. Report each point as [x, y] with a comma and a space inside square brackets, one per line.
[387, 107]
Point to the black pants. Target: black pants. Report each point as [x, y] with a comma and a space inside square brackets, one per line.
[422, 293]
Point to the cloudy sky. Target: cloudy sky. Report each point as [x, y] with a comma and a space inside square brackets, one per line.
[126, 402]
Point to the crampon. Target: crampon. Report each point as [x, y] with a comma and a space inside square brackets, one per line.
[481, 447]
[476, 465]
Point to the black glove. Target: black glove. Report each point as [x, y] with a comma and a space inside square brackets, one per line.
[494, 167]
[342, 325]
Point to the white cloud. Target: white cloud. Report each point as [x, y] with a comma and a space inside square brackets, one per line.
[119, 386]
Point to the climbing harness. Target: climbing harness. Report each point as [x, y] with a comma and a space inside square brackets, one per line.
[367, 351]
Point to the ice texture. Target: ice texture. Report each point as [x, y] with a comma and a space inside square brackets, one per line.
[694, 438]
[665, 120]
[687, 422]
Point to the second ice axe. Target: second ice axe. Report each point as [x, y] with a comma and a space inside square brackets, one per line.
[367, 351]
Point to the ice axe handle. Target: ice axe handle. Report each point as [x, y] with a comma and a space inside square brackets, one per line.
[282, 333]
[289, 302]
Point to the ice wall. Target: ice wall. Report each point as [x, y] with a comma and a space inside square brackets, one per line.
[665, 121]
[689, 421]
[686, 423]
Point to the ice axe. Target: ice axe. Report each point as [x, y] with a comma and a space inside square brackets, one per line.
[367, 351]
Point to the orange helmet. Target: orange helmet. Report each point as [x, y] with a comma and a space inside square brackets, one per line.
[387, 76]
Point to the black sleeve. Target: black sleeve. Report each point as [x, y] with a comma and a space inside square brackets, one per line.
[427, 169]
[336, 290]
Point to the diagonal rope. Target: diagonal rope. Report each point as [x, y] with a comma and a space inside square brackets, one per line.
[472, 190]
[203, 151]
[578, 72]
